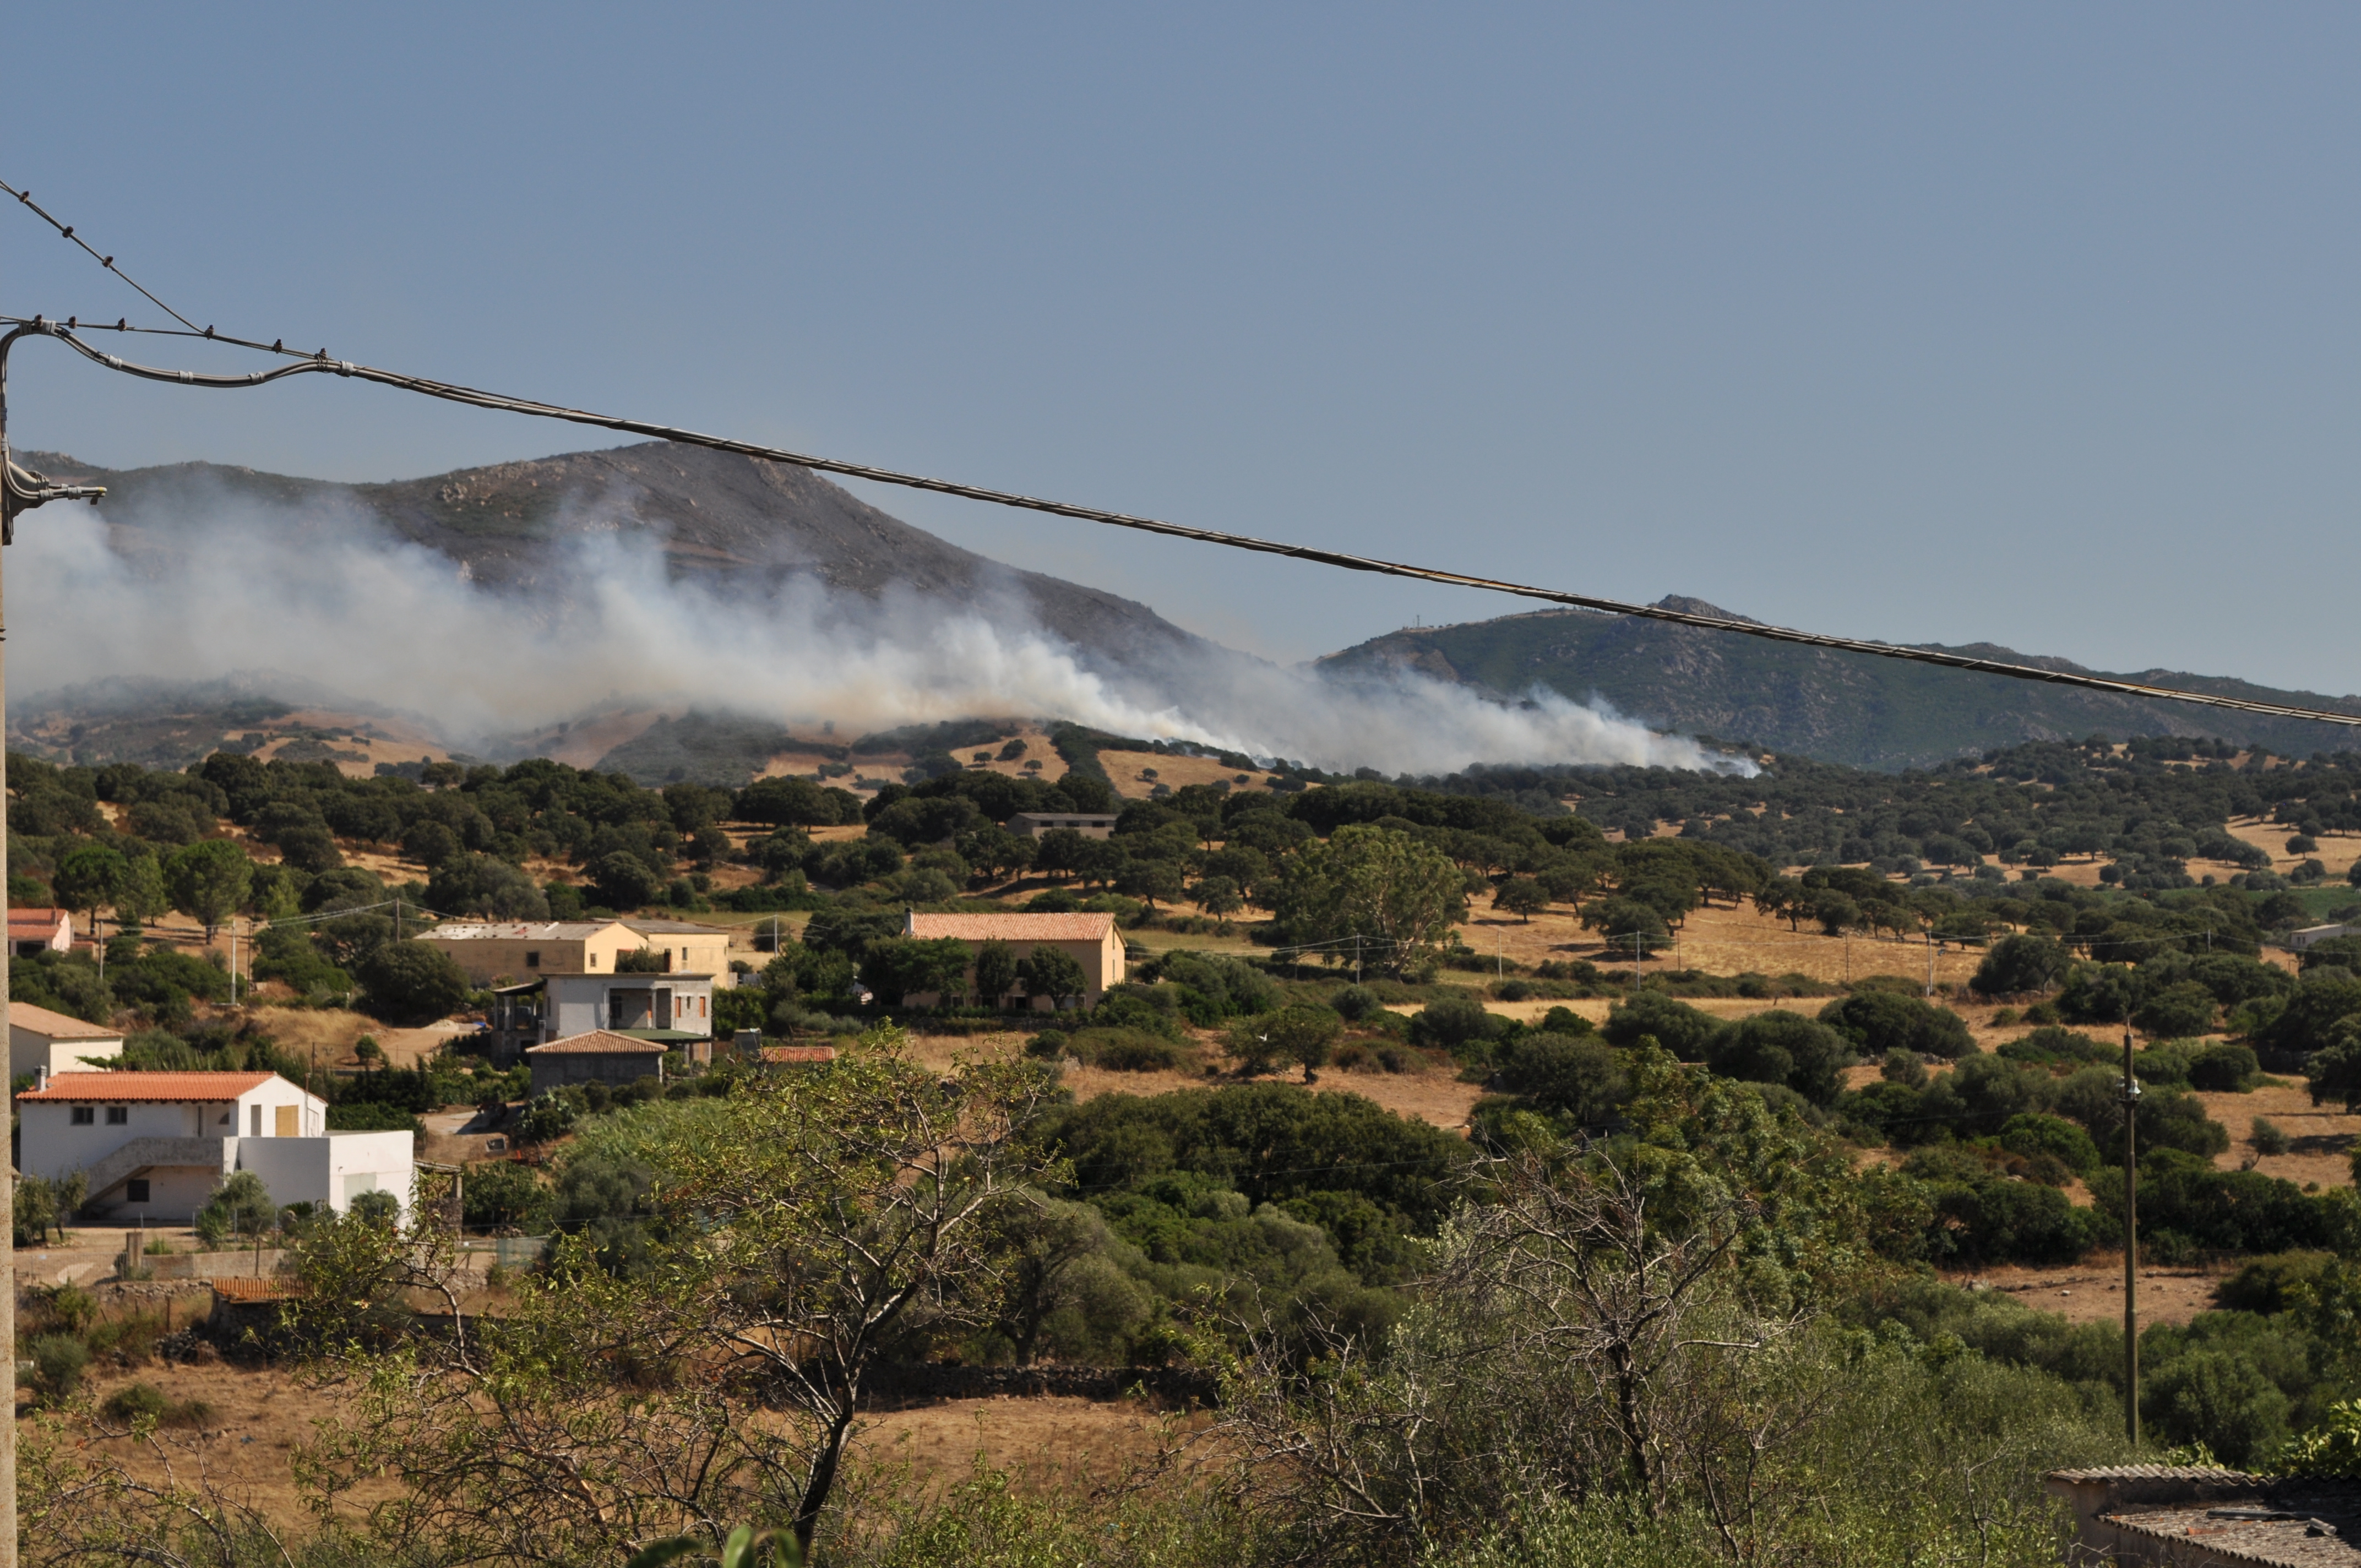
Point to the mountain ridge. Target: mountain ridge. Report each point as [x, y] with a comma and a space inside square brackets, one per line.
[713, 514]
[1847, 708]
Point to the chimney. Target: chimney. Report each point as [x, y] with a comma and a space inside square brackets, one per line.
[40, 1079]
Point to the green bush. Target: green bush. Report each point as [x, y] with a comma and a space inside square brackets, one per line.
[2268, 1137]
[1880, 1021]
[2272, 1284]
[2037, 1134]
[58, 1361]
[412, 982]
[1678, 1027]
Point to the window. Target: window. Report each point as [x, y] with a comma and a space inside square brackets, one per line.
[136, 1189]
[255, 1131]
[118, 1115]
[83, 1115]
[532, 959]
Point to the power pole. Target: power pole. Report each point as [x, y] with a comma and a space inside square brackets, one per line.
[19, 491]
[2131, 1239]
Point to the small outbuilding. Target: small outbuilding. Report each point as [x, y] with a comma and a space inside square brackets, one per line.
[1088, 824]
[38, 1038]
[31, 931]
[602, 1055]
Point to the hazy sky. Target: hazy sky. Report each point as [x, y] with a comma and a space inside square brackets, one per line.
[2036, 324]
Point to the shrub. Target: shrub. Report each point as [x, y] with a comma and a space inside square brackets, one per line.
[136, 1401]
[2020, 963]
[58, 1364]
[2274, 1283]
[2223, 1068]
[1122, 1050]
[1903, 1067]
[412, 982]
[1453, 1022]
[1785, 1048]
[2177, 1010]
[2268, 1137]
[2035, 1133]
[545, 1116]
[1879, 1021]
[1355, 1002]
[1675, 1025]
[1579, 1077]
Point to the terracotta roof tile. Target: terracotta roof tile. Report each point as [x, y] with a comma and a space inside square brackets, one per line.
[207, 1088]
[787, 1055]
[600, 1043]
[44, 922]
[1014, 927]
[57, 1025]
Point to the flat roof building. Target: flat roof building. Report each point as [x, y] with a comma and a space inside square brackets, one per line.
[1088, 824]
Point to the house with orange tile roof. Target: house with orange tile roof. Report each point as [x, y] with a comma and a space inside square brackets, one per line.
[157, 1145]
[1092, 940]
[32, 930]
[596, 1055]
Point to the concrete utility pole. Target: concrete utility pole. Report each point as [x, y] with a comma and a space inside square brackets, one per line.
[2131, 1239]
[19, 491]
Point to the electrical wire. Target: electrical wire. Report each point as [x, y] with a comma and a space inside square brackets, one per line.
[106, 261]
[320, 363]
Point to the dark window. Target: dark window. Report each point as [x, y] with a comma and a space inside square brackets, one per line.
[83, 1115]
[532, 961]
[118, 1115]
[136, 1189]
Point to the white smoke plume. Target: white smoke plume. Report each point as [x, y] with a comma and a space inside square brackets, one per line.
[340, 604]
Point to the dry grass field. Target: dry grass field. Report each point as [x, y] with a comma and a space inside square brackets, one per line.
[1125, 767]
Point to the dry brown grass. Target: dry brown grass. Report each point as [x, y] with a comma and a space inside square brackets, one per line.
[1125, 768]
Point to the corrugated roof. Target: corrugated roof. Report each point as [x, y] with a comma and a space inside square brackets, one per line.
[57, 1025]
[1014, 927]
[518, 930]
[674, 929]
[598, 1043]
[206, 1087]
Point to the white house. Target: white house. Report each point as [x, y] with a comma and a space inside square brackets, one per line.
[158, 1144]
[34, 930]
[40, 1038]
[2299, 941]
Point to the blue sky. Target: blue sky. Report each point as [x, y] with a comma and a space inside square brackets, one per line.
[2031, 323]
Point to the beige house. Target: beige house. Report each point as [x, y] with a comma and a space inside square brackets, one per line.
[1091, 939]
[689, 948]
[38, 1038]
[515, 951]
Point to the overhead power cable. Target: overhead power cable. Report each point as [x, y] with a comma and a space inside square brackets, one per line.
[321, 364]
[25, 197]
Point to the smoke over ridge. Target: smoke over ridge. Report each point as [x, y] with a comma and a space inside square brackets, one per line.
[333, 599]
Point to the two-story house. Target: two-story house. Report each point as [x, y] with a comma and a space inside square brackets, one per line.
[156, 1144]
[553, 980]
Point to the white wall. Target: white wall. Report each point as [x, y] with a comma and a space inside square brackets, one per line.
[327, 1171]
[29, 1049]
